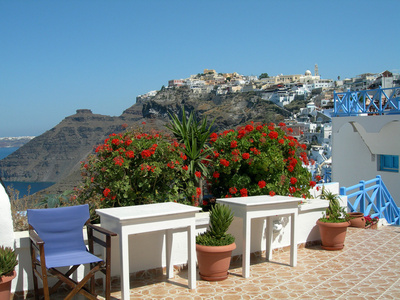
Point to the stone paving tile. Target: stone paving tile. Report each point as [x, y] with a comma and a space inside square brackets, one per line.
[367, 268]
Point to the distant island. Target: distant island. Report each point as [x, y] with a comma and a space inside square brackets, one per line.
[14, 142]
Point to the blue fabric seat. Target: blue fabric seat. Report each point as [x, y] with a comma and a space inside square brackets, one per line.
[56, 236]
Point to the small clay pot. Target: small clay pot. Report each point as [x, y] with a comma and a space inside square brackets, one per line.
[357, 219]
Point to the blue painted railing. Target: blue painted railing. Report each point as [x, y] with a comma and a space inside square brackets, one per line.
[372, 198]
[379, 101]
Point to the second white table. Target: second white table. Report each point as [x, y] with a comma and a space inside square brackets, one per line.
[264, 206]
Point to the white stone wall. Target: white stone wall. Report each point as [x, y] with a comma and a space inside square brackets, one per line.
[6, 224]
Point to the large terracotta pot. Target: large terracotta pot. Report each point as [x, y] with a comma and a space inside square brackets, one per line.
[332, 234]
[5, 286]
[214, 261]
[357, 219]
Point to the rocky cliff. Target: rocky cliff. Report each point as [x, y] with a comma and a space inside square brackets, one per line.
[56, 154]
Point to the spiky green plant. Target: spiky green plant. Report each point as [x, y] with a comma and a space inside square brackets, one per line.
[8, 260]
[221, 218]
[194, 135]
[334, 213]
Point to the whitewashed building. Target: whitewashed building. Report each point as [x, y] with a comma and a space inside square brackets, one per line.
[365, 145]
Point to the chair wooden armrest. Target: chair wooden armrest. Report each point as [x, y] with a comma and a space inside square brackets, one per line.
[35, 237]
[100, 229]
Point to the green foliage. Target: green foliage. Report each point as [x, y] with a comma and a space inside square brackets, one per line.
[221, 218]
[194, 136]
[263, 75]
[8, 260]
[136, 168]
[53, 201]
[258, 160]
[334, 213]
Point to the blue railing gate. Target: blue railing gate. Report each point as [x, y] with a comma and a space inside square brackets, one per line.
[379, 101]
[372, 198]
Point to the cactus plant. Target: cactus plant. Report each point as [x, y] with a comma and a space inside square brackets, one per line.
[8, 260]
[221, 218]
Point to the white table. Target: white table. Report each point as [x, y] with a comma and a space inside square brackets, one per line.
[138, 219]
[253, 207]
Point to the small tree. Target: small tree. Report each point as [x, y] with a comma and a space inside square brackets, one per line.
[263, 75]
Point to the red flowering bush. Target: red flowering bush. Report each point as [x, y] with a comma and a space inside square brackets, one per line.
[258, 160]
[137, 168]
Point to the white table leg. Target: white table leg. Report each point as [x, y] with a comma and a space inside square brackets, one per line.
[293, 240]
[246, 246]
[269, 236]
[191, 256]
[168, 250]
[124, 245]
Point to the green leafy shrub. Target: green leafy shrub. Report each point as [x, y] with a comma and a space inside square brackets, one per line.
[136, 168]
[258, 159]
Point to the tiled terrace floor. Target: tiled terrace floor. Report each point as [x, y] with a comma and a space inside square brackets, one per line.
[367, 268]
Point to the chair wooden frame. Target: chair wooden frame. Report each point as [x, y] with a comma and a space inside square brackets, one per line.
[37, 247]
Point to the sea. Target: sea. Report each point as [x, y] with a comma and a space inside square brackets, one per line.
[24, 188]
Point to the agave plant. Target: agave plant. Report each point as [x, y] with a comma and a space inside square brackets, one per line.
[221, 218]
[193, 135]
[8, 260]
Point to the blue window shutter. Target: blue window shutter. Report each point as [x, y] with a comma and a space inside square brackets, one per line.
[389, 163]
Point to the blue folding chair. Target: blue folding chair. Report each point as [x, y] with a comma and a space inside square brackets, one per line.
[56, 238]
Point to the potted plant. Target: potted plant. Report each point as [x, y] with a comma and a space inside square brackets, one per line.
[8, 261]
[333, 225]
[214, 247]
[357, 219]
[371, 223]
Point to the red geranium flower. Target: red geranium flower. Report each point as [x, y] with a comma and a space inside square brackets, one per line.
[130, 154]
[213, 137]
[233, 144]
[233, 190]
[293, 180]
[245, 155]
[249, 128]
[216, 175]
[106, 192]
[185, 167]
[198, 174]
[273, 135]
[312, 183]
[243, 192]
[224, 162]
[261, 184]
[271, 193]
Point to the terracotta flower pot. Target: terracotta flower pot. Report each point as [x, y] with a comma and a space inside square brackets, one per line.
[214, 261]
[332, 234]
[357, 219]
[5, 286]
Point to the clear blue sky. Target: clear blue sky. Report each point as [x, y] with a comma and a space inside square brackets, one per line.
[60, 56]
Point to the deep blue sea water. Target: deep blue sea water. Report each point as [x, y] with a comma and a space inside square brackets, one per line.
[4, 152]
[23, 187]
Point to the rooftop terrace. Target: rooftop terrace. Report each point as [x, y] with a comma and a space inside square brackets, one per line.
[367, 268]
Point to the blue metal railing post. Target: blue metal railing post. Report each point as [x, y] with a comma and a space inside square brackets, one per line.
[379, 203]
[362, 200]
